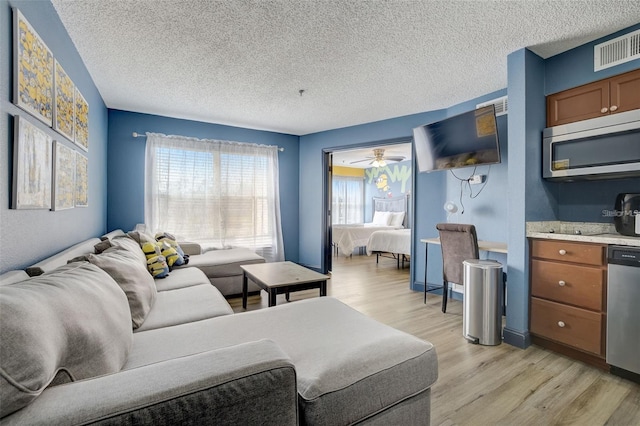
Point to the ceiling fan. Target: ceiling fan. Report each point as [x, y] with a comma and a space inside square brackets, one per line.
[379, 159]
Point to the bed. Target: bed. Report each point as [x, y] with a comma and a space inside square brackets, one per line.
[396, 242]
[389, 214]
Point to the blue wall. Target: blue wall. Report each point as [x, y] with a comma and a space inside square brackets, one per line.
[126, 166]
[31, 235]
[430, 191]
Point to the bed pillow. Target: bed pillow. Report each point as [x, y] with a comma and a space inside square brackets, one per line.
[69, 324]
[134, 279]
[396, 219]
[381, 218]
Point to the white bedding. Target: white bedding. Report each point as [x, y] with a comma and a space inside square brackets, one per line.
[396, 241]
[348, 237]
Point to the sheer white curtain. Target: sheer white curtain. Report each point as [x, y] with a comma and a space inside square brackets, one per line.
[225, 193]
[348, 200]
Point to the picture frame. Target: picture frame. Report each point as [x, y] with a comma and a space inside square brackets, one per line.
[82, 181]
[82, 121]
[33, 66]
[64, 106]
[64, 171]
[32, 162]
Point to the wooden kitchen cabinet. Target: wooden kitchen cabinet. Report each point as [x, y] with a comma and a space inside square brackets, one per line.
[568, 298]
[609, 96]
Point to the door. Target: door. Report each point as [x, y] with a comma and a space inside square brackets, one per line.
[580, 103]
[327, 248]
[625, 92]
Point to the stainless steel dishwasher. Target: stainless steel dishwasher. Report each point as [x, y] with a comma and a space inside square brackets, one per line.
[623, 311]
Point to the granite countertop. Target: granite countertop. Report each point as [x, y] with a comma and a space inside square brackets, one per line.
[603, 233]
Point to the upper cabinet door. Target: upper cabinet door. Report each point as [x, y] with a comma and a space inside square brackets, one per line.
[579, 103]
[625, 92]
[609, 96]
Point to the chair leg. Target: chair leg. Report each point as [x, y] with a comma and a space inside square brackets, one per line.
[445, 293]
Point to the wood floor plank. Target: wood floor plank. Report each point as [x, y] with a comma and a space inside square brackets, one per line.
[478, 385]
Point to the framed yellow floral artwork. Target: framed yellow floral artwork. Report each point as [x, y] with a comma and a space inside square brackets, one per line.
[32, 161]
[82, 181]
[33, 71]
[82, 121]
[64, 106]
[64, 171]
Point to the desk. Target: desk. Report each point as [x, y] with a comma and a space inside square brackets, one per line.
[491, 246]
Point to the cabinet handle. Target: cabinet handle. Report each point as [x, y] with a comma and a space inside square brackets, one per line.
[561, 324]
[604, 110]
[561, 283]
[613, 108]
[562, 252]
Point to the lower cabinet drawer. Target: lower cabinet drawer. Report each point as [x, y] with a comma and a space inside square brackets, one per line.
[567, 251]
[581, 286]
[575, 327]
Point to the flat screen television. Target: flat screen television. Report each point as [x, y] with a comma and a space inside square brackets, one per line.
[468, 139]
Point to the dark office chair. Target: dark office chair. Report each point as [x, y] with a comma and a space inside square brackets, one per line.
[459, 243]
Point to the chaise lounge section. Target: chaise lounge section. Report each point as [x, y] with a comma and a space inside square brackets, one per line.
[192, 360]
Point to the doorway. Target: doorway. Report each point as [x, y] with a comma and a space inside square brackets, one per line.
[385, 169]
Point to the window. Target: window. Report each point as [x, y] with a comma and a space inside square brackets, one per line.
[225, 193]
[348, 200]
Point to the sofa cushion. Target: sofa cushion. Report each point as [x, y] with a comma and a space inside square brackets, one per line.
[112, 234]
[340, 355]
[186, 305]
[69, 324]
[224, 263]
[181, 278]
[13, 277]
[133, 277]
[61, 258]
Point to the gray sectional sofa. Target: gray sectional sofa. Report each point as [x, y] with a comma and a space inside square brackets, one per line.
[96, 341]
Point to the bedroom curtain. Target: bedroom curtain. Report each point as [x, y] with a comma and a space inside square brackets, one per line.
[348, 200]
[223, 193]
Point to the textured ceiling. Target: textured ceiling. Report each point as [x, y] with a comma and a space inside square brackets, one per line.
[243, 63]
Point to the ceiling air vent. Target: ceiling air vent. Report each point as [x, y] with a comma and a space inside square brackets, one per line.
[500, 105]
[617, 51]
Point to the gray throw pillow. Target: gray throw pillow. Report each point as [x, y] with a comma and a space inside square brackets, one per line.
[141, 237]
[132, 276]
[131, 246]
[72, 323]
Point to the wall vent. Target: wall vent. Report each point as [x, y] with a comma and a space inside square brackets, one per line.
[616, 51]
[500, 105]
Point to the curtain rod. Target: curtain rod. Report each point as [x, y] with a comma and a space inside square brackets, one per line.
[140, 135]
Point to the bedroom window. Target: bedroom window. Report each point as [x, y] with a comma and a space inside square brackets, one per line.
[348, 200]
[222, 193]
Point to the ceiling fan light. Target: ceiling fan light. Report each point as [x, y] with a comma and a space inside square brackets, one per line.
[382, 163]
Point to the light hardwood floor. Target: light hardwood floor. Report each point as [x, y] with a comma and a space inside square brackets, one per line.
[478, 385]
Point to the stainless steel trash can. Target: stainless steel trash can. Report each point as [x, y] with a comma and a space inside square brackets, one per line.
[482, 304]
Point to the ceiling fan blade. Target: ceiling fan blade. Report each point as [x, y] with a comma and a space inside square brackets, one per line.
[398, 158]
[360, 161]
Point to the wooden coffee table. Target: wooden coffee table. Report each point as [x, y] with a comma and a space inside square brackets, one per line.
[281, 277]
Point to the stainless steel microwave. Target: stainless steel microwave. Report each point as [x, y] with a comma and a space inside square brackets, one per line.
[600, 148]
